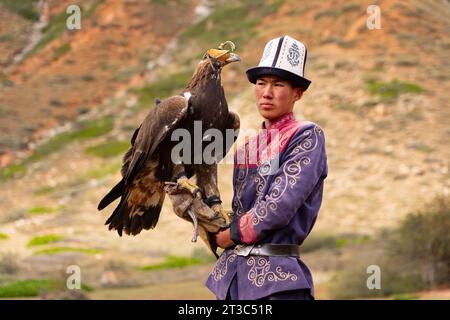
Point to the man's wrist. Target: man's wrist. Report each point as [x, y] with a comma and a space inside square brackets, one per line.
[234, 231]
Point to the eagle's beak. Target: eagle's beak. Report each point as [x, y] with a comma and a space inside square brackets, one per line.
[233, 58]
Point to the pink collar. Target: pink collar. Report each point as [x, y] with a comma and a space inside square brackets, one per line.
[280, 121]
[257, 149]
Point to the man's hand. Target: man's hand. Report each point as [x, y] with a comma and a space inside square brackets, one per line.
[223, 239]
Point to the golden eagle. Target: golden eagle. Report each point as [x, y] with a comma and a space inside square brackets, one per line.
[147, 165]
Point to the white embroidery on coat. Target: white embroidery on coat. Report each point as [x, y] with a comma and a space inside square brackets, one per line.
[291, 173]
[221, 267]
[260, 272]
[260, 182]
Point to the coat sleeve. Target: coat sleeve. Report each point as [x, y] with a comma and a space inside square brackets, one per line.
[302, 166]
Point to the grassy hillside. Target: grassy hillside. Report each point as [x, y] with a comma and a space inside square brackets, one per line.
[69, 107]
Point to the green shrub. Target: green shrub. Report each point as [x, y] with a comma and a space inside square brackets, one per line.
[88, 13]
[43, 240]
[108, 149]
[24, 8]
[3, 236]
[44, 190]
[83, 130]
[332, 12]
[405, 296]
[412, 257]
[53, 30]
[350, 282]
[422, 148]
[11, 171]
[103, 171]
[406, 62]
[87, 77]
[61, 50]
[325, 241]
[351, 7]
[172, 262]
[160, 2]
[391, 90]
[25, 288]
[57, 250]
[199, 256]
[44, 210]
[397, 276]
[56, 26]
[337, 11]
[161, 89]
[424, 238]
[228, 21]
[86, 288]
[6, 38]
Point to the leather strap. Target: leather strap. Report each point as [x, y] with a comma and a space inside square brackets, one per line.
[212, 200]
[268, 249]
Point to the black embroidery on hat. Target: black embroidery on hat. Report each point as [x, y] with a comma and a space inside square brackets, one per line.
[293, 55]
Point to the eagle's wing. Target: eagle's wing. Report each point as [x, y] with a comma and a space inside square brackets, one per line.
[158, 124]
[142, 192]
[233, 122]
[118, 189]
[127, 157]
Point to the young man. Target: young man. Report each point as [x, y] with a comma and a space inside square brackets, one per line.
[277, 198]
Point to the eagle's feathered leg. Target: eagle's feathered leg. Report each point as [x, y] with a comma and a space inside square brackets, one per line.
[207, 178]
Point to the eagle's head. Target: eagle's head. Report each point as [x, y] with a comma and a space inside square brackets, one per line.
[221, 57]
[212, 63]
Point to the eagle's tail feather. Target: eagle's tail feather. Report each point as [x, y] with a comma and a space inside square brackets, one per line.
[112, 195]
[113, 221]
[135, 225]
[146, 221]
[122, 219]
[151, 216]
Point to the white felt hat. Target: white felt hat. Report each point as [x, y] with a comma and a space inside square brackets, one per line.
[284, 57]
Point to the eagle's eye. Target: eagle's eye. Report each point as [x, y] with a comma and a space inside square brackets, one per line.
[217, 64]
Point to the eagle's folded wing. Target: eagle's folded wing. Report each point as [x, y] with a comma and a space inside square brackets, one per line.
[233, 123]
[141, 190]
[159, 123]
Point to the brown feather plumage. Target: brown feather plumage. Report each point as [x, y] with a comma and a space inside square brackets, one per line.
[147, 164]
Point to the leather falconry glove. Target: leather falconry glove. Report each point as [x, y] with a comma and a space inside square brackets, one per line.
[193, 209]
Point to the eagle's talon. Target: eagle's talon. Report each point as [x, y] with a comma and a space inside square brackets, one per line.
[185, 183]
[219, 210]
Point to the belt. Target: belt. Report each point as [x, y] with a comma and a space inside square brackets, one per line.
[267, 249]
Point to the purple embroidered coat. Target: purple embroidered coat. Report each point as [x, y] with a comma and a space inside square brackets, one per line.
[276, 200]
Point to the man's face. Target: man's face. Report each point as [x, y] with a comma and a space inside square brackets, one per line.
[275, 97]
